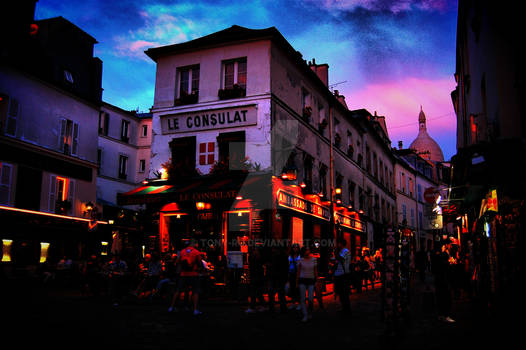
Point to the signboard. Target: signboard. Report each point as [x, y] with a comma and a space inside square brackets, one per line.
[234, 259]
[430, 195]
[351, 222]
[301, 205]
[209, 119]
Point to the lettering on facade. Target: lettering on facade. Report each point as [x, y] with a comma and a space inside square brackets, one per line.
[208, 119]
[301, 205]
[349, 222]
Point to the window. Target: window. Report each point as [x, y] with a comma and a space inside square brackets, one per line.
[232, 149]
[99, 161]
[142, 165]
[9, 109]
[61, 194]
[420, 220]
[68, 76]
[188, 86]
[352, 188]
[144, 131]
[5, 182]
[125, 126]
[402, 183]
[206, 153]
[123, 167]
[104, 123]
[69, 137]
[419, 192]
[361, 198]
[235, 74]
[323, 181]
[183, 156]
[412, 217]
[404, 214]
[350, 148]
[411, 187]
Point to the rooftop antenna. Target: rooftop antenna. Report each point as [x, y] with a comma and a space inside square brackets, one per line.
[331, 87]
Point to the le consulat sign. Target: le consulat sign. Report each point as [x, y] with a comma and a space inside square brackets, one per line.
[208, 119]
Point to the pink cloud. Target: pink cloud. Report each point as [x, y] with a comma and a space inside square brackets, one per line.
[400, 103]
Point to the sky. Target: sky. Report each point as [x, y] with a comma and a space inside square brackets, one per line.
[388, 56]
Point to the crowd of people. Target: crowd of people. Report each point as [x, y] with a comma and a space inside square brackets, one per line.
[294, 275]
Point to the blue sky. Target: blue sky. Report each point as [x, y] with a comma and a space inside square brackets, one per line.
[389, 56]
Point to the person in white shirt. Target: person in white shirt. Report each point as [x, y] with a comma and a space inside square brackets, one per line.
[306, 280]
[342, 275]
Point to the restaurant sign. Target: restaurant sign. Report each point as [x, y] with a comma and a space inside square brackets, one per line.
[303, 206]
[209, 119]
[349, 222]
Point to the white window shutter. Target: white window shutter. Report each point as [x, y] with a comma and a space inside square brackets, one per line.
[75, 141]
[52, 193]
[62, 133]
[71, 194]
[5, 182]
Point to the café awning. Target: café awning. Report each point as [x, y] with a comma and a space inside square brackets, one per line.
[254, 186]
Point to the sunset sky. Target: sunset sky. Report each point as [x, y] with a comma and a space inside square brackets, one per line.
[387, 56]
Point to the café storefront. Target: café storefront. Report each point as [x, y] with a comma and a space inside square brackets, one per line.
[229, 214]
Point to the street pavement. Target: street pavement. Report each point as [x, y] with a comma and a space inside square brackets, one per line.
[62, 318]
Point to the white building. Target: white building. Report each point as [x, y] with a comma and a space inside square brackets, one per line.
[123, 152]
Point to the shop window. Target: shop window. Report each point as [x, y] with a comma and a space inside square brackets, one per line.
[206, 153]
[69, 137]
[6, 171]
[61, 194]
[188, 85]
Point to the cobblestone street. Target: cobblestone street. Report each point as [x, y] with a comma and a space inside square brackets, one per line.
[63, 318]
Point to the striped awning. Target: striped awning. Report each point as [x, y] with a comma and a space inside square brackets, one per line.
[205, 188]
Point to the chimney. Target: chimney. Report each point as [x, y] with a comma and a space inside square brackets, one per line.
[400, 146]
[340, 98]
[321, 70]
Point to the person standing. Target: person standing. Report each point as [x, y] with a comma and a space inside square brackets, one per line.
[294, 257]
[257, 280]
[278, 273]
[190, 262]
[306, 280]
[342, 275]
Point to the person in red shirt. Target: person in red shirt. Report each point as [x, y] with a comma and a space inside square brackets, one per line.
[190, 262]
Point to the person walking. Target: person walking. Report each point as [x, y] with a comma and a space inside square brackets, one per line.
[293, 292]
[278, 273]
[306, 279]
[190, 262]
[440, 266]
[342, 275]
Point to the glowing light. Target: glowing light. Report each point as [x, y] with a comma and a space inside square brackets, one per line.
[49, 214]
[104, 250]
[439, 199]
[164, 174]
[178, 216]
[487, 229]
[6, 250]
[338, 190]
[200, 205]
[303, 185]
[145, 182]
[43, 251]
[110, 222]
[239, 198]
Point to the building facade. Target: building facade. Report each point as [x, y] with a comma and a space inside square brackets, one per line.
[488, 170]
[242, 126]
[49, 108]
